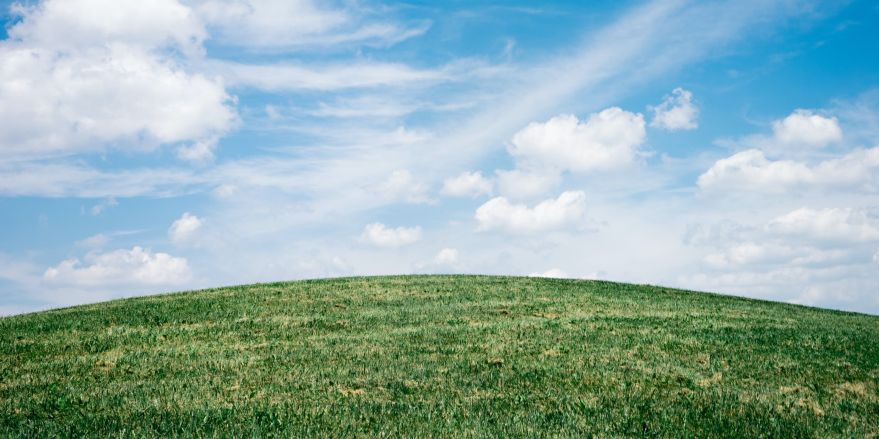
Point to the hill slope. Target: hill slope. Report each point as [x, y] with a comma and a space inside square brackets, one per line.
[419, 356]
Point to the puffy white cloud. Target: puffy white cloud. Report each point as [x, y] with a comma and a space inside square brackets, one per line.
[605, 140]
[137, 266]
[467, 184]
[73, 24]
[379, 235]
[527, 184]
[751, 170]
[836, 224]
[676, 112]
[183, 228]
[565, 211]
[83, 74]
[446, 256]
[551, 273]
[803, 128]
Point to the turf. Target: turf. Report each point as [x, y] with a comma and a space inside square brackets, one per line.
[439, 356]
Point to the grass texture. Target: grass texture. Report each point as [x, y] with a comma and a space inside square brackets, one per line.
[439, 356]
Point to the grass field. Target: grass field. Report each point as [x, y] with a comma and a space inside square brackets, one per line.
[439, 356]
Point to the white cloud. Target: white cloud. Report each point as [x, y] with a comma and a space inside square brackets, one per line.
[350, 75]
[876, 256]
[467, 184]
[606, 140]
[527, 184]
[285, 24]
[676, 112]
[137, 266]
[379, 235]
[803, 128]
[751, 170]
[565, 211]
[551, 273]
[199, 151]
[70, 25]
[836, 224]
[446, 256]
[80, 75]
[183, 228]
[105, 204]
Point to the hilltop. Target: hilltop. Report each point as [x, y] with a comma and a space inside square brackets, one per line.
[439, 356]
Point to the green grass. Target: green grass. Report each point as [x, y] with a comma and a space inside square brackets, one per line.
[439, 356]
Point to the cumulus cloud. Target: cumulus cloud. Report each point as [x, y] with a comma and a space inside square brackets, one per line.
[605, 140]
[184, 228]
[834, 224]
[803, 128]
[121, 267]
[90, 73]
[676, 112]
[73, 24]
[446, 256]
[751, 170]
[382, 236]
[551, 273]
[467, 184]
[565, 211]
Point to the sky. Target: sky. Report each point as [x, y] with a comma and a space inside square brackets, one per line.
[725, 146]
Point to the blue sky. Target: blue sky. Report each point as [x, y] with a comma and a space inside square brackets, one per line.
[728, 146]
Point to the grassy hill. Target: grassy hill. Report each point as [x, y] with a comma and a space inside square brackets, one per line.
[440, 356]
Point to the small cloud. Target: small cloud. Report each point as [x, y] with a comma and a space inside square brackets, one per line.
[467, 184]
[446, 256]
[803, 128]
[752, 170]
[606, 140]
[552, 273]
[200, 151]
[107, 203]
[137, 266]
[676, 112]
[381, 236]
[184, 228]
[555, 213]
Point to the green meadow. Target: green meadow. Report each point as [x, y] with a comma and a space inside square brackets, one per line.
[439, 356]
